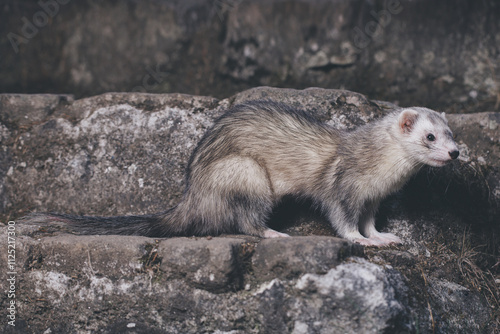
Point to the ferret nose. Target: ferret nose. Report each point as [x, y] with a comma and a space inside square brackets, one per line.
[454, 154]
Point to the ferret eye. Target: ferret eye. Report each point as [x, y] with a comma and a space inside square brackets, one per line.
[430, 137]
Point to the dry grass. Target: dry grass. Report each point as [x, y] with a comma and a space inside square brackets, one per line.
[476, 273]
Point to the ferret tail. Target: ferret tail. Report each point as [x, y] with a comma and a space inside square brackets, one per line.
[152, 225]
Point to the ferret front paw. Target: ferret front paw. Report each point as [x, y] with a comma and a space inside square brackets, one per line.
[387, 238]
[379, 240]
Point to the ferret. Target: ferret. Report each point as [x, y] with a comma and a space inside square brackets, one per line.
[260, 151]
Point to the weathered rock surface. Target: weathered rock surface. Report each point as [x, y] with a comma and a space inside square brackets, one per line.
[291, 257]
[353, 309]
[107, 283]
[466, 313]
[125, 153]
[212, 264]
[442, 55]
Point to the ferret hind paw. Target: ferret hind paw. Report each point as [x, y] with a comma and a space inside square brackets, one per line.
[269, 233]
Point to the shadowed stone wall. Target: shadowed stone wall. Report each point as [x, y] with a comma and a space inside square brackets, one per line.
[441, 54]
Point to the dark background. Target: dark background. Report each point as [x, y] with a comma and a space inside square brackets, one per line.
[441, 54]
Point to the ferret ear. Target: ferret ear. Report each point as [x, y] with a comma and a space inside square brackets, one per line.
[443, 114]
[407, 120]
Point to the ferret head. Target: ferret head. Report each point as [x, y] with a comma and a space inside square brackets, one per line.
[427, 135]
